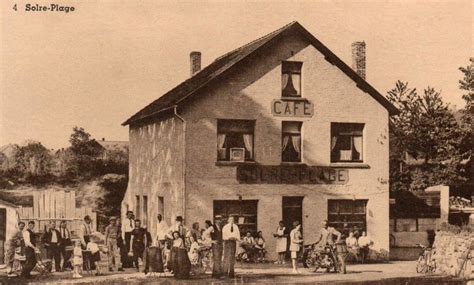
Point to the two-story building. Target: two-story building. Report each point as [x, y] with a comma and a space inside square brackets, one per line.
[278, 129]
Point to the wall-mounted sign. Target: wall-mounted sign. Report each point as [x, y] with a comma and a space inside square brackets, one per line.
[292, 108]
[294, 174]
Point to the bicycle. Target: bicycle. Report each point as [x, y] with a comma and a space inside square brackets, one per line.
[425, 263]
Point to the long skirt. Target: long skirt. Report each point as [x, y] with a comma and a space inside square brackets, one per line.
[181, 264]
[154, 260]
[173, 257]
[217, 259]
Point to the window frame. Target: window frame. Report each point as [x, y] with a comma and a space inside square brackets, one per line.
[247, 209]
[351, 134]
[227, 155]
[352, 213]
[295, 71]
[291, 141]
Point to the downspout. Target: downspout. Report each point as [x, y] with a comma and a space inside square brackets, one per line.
[184, 159]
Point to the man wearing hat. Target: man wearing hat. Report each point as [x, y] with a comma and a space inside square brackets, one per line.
[112, 233]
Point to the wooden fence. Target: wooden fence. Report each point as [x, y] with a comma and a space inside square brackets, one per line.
[56, 205]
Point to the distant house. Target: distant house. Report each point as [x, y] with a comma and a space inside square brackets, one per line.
[7, 156]
[110, 147]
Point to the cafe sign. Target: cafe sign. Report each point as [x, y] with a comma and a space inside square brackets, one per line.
[291, 174]
[292, 108]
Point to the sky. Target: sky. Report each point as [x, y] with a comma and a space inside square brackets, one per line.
[98, 65]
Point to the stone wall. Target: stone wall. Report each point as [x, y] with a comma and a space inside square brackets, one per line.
[450, 250]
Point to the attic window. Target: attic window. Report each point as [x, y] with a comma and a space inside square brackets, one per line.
[291, 79]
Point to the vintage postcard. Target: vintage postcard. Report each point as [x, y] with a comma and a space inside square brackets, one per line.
[236, 142]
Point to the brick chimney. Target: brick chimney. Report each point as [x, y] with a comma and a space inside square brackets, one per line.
[358, 58]
[195, 60]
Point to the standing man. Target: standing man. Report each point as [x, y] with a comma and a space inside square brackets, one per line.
[161, 231]
[86, 231]
[30, 250]
[112, 233]
[178, 227]
[139, 240]
[230, 235]
[85, 234]
[364, 243]
[216, 236]
[52, 240]
[65, 241]
[128, 225]
[327, 234]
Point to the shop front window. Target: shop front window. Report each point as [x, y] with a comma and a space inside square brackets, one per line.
[235, 140]
[348, 215]
[291, 142]
[244, 212]
[346, 142]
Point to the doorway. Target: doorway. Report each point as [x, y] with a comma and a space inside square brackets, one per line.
[292, 211]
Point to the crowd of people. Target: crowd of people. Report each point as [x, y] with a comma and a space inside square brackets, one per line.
[175, 248]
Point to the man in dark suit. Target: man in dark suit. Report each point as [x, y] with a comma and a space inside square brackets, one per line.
[30, 250]
[52, 241]
[65, 241]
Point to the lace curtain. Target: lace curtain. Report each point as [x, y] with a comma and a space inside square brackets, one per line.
[296, 141]
[248, 141]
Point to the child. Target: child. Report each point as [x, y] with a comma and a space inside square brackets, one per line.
[260, 246]
[77, 260]
[95, 255]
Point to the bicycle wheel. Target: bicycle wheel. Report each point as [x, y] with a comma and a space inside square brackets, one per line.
[421, 265]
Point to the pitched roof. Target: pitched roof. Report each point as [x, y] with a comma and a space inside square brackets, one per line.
[224, 63]
[8, 204]
[114, 145]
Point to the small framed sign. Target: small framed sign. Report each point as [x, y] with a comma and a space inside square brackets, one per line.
[237, 154]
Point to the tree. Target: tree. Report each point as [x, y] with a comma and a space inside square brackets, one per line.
[467, 84]
[437, 132]
[81, 144]
[426, 130]
[403, 126]
[33, 159]
[84, 160]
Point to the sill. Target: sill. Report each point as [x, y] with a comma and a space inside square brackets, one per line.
[350, 165]
[291, 163]
[288, 98]
[233, 163]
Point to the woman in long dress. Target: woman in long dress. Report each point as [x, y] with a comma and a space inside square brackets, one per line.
[281, 243]
[181, 263]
